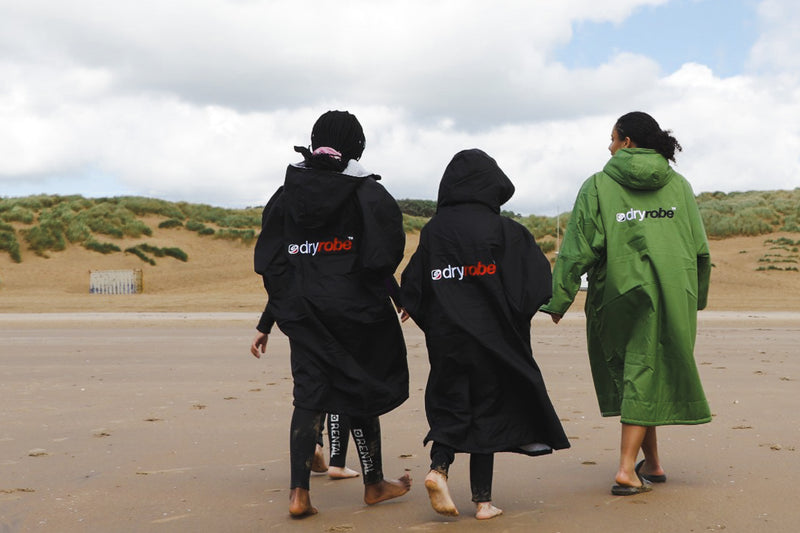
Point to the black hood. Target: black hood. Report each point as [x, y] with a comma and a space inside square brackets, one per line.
[313, 196]
[472, 176]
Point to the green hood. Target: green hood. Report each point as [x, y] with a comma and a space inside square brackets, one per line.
[639, 168]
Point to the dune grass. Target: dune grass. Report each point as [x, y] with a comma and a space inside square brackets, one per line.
[50, 223]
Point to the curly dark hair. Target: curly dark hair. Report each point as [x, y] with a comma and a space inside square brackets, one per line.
[646, 133]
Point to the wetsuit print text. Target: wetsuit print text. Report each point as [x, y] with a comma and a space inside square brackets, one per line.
[321, 247]
[461, 272]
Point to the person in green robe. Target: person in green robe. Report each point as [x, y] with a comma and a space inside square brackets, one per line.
[636, 232]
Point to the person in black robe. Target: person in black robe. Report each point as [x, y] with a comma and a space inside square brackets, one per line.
[472, 286]
[331, 237]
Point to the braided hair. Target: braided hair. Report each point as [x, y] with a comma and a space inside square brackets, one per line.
[646, 133]
[339, 131]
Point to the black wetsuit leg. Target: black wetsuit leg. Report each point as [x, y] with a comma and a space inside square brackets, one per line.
[338, 438]
[305, 429]
[481, 466]
[367, 438]
[442, 456]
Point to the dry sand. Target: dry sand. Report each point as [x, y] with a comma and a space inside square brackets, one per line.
[119, 417]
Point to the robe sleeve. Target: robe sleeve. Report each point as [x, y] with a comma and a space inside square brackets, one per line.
[701, 246]
[383, 238]
[583, 246]
[267, 257]
[393, 288]
[266, 321]
[413, 284]
[270, 240]
[525, 271]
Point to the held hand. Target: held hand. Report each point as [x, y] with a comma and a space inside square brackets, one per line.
[403, 314]
[259, 344]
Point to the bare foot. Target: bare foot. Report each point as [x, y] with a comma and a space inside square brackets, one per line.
[386, 489]
[628, 479]
[439, 494]
[300, 504]
[486, 511]
[318, 464]
[341, 472]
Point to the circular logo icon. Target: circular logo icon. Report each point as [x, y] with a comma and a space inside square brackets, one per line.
[620, 217]
[436, 274]
[294, 248]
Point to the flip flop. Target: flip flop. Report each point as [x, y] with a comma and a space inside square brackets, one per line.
[652, 478]
[628, 490]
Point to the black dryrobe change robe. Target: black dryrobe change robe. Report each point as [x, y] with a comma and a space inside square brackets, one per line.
[329, 243]
[473, 286]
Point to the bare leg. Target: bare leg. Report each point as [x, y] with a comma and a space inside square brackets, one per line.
[630, 443]
[652, 463]
[300, 503]
[386, 489]
[486, 511]
[439, 493]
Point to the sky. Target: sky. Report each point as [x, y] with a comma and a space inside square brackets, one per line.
[203, 100]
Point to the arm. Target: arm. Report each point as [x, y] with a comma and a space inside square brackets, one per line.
[582, 248]
[259, 344]
[264, 255]
[525, 271]
[701, 246]
[265, 323]
[394, 293]
[412, 283]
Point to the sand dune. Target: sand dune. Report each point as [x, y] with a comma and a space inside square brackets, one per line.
[219, 277]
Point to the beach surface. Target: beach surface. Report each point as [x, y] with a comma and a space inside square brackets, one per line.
[165, 422]
[147, 413]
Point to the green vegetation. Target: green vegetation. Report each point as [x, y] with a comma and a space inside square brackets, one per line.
[750, 213]
[50, 223]
[170, 223]
[102, 247]
[199, 227]
[9, 243]
[417, 208]
[547, 246]
[246, 236]
[413, 223]
[777, 257]
[141, 251]
[138, 252]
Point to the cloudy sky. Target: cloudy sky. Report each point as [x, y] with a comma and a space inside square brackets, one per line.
[203, 100]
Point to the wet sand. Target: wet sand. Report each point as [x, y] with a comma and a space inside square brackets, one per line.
[165, 422]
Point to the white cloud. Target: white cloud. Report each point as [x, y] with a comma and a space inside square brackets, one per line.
[203, 101]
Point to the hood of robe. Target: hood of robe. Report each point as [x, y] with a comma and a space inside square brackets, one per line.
[472, 176]
[639, 168]
[314, 195]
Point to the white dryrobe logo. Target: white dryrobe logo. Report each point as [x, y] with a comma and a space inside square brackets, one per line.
[460, 272]
[638, 215]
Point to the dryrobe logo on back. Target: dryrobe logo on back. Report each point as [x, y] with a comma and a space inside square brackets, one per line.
[322, 247]
[461, 272]
[639, 215]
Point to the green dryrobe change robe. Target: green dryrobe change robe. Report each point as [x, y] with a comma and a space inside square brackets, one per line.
[637, 231]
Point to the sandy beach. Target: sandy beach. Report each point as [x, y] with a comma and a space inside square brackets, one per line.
[164, 422]
[147, 412]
